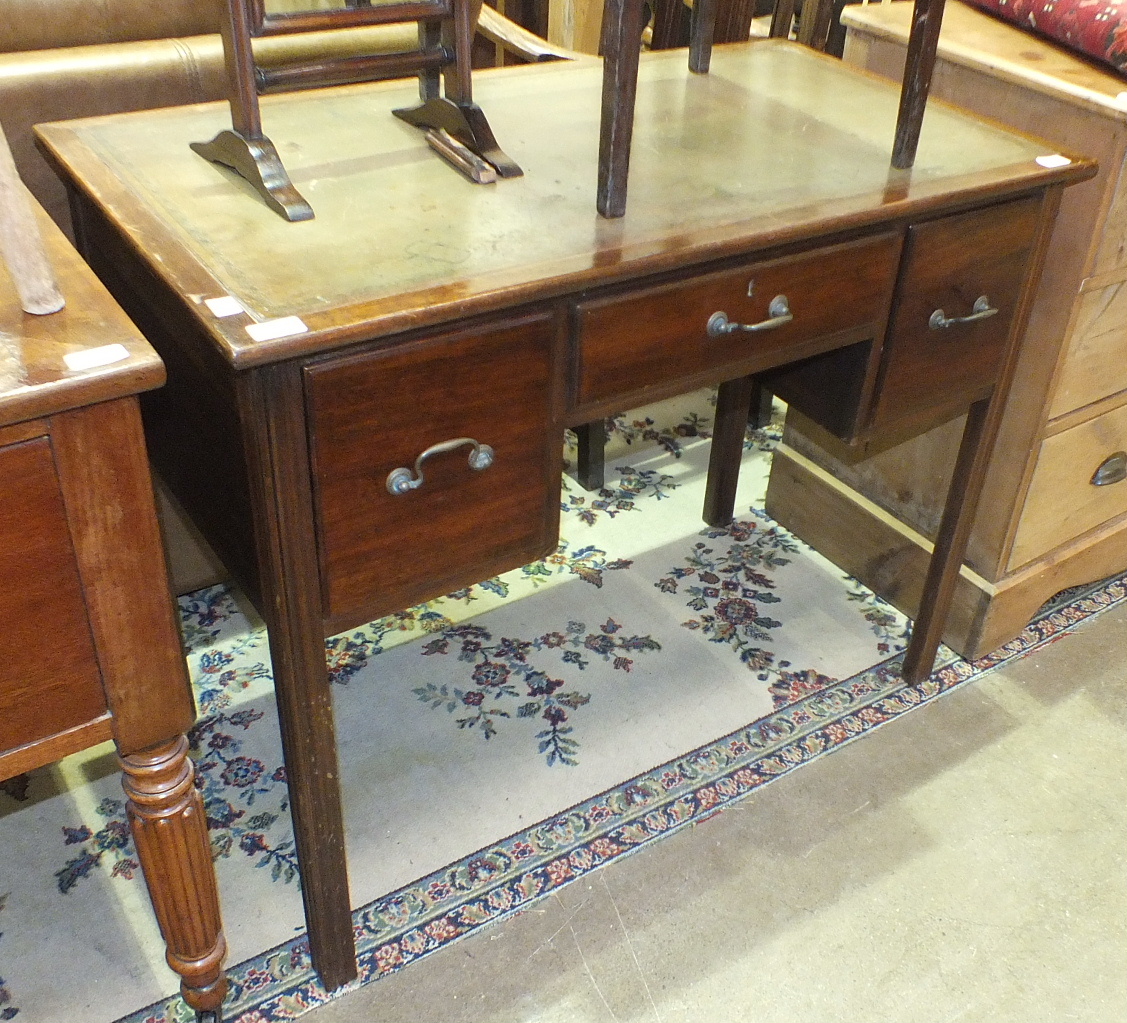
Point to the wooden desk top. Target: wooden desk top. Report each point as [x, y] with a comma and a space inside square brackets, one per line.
[35, 379]
[777, 144]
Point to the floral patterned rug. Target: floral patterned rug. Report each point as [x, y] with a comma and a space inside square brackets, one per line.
[494, 744]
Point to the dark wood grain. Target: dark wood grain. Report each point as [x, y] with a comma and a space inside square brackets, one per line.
[382, 552]
[591, 440]
[733, 398]
[948, 264]
[927, 19]
[45, 687]
[702, 33]
[622, 41]
[833, 389]
[650, 336]
[979, 434]
[943, 568]
[271, 403]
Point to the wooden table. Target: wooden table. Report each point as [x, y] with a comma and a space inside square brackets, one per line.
[81, 562]
[418, 309]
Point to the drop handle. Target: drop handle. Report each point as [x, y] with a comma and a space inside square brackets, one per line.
[1112, 469]
[981, 310]
[779, 312]
[403, 480]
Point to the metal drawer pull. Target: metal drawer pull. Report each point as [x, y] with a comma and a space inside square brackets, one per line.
[1112, 469]
[779, 309]
[979, 311]
[401, 480]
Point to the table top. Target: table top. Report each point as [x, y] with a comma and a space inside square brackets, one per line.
[777, 144]
[975, 39]
[88, 351]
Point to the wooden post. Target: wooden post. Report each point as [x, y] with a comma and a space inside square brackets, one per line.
[923, 41]
[21, 244]
[622, 44]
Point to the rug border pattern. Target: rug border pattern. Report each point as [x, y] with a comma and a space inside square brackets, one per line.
[511, 875]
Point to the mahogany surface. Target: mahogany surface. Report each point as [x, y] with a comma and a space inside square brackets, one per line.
[776, 160]
[81, 561]
[948, 265]
[45, 688]
[382, 552]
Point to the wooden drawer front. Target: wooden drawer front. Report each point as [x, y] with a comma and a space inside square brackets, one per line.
[1062, 501]
[643, 338]
[928, 373]
[1095, 364]
[49, 678]
[375, 412]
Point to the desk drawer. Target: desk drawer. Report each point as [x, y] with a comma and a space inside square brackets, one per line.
[1063, 501]
[49, 676]
[375, 412]
[836, 295]
[930, 372]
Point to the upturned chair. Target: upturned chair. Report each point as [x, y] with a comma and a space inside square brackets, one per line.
[456, 127]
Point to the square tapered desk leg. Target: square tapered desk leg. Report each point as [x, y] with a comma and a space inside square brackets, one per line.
[273, 403]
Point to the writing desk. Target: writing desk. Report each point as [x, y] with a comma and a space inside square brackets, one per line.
[89, 647]
[430, 310]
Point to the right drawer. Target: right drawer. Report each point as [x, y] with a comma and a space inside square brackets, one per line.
[1063, 499]
[944, 347]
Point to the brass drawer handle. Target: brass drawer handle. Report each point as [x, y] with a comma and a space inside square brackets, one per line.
[1112, 469]
[979, 311]
[402, 480]
[779, 310]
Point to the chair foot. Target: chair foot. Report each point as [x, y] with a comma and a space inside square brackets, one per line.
[256, 160]
[465, 122]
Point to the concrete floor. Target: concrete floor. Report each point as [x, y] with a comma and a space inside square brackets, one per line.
[963, 863]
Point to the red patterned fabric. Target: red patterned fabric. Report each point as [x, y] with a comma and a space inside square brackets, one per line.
[1094, 28]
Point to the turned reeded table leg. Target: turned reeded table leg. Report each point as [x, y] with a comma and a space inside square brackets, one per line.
[104, 475]
[169, 827]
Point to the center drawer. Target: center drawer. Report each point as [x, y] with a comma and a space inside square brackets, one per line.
[641, 339]
[464, 512]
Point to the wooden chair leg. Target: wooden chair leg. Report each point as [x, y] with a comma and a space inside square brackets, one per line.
[927, 17]
[622, 44]
[701, 32]
[590, 465]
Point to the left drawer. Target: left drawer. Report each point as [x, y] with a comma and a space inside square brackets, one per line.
[397, 408]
